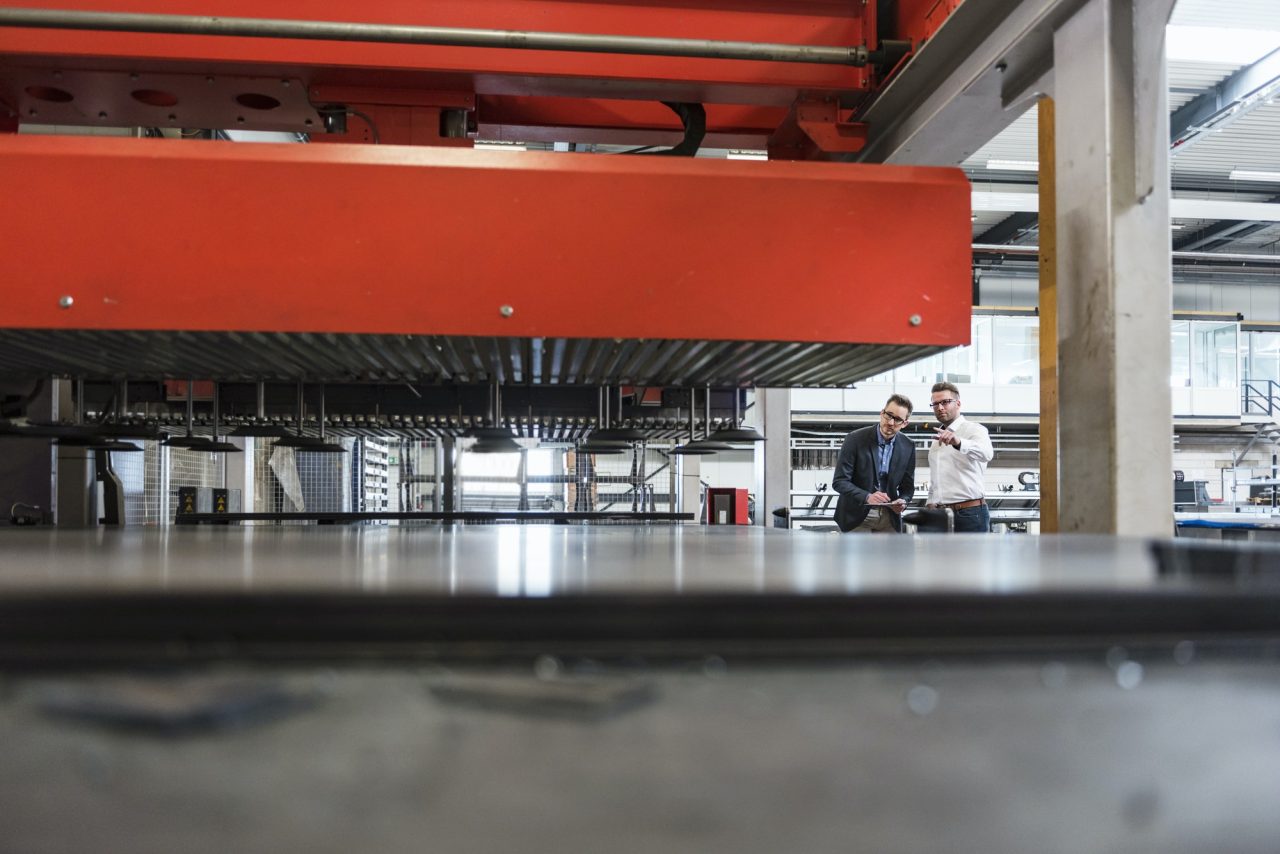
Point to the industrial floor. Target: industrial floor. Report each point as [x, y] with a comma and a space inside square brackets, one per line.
[561, 688]
[547, 560]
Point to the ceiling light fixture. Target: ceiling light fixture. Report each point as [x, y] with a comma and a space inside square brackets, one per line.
[1219, 44]
[494, 439]
[1254, 175]
[736, 433]
[1014, 165]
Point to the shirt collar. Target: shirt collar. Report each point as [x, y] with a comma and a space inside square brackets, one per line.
[881, 441]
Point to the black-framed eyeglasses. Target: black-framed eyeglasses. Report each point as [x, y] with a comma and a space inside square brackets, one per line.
[891, 418]
[946, 401]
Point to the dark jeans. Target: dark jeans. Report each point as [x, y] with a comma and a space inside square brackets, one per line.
[971, 520]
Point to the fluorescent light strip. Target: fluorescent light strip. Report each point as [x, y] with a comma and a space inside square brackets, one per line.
[1183, 209]
[1014, 165]
[1231, 46]
[1254, 175]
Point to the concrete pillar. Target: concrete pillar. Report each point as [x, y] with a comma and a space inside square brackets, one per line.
[239, 472]
[689, 484]
[772, 417]
[1114, 274]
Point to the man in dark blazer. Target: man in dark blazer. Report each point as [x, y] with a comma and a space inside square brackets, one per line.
[876, 472]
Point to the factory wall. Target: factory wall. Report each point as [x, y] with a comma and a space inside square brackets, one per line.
[730, 469]
[1257, 302]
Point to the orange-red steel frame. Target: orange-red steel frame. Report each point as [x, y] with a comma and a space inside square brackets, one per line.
[174, 235]
[524, 86]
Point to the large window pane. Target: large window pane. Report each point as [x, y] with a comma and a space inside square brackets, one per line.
[957, 365]
[1262, 356]
[1213, 354]
[1017, 350]
[924, 371]
[1180, 369]
[1226, 353]
[983, 366]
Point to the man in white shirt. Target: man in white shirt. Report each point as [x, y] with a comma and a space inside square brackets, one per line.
[957, 460]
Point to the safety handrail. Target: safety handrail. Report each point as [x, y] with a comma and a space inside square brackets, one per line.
[1260, 397]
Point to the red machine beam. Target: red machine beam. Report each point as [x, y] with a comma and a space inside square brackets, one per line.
[173, 235]
[510, 118]
[484, 70]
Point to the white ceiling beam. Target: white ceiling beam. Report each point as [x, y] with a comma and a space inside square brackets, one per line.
[984, 200]
[1226, 103]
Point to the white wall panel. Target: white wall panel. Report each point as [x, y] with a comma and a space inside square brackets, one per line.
[1264, 303]
[919, 397]
[729, 469]
[1181, 400]
[1017, 399]
[869, 397]
[976, 398]
[817, 400]
[1233, 298]
[1215, 401]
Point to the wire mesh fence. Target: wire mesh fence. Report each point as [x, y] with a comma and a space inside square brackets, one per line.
[287, 480]
[150, 480]
[189, 468]
[131, 468]
[413, 475]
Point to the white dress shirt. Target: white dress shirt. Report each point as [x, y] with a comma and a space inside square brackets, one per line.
[956, 475]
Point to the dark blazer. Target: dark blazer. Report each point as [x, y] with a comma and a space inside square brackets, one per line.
[855, 475]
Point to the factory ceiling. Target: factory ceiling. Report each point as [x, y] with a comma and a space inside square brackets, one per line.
[1224, 102]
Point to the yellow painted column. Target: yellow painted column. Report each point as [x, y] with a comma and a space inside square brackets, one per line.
[1048, 324]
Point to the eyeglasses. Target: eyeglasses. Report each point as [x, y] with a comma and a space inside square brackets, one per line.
[946, 401]
[891, 418]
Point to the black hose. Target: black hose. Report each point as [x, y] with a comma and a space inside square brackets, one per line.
[693, 117]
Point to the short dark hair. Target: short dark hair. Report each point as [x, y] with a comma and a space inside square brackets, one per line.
[937, 387]
[900, 400]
